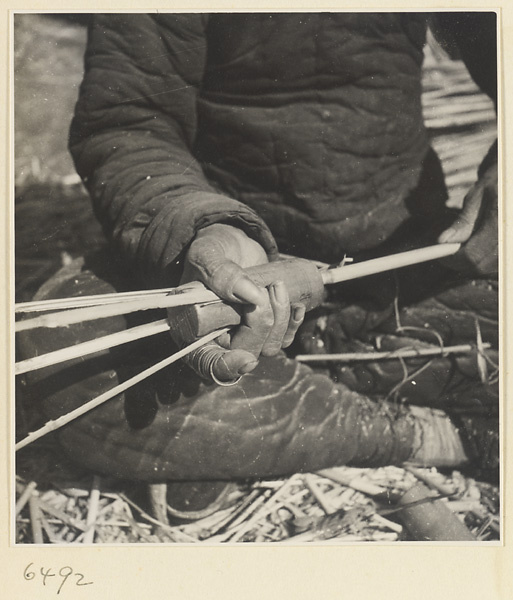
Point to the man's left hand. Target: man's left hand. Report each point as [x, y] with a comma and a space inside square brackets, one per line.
[476, 228]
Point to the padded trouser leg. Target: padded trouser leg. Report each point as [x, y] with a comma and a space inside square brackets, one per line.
[280, 419]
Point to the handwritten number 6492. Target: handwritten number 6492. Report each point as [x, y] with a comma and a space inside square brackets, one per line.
[64, 573]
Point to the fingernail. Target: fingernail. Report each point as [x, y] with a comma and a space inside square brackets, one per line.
[236, 295]
[280, 293]
[239, 298]
[298, 314]
[249, 295]
[446, 235]
[248, 367]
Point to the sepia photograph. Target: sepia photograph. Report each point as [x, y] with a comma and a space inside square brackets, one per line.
[256, 278]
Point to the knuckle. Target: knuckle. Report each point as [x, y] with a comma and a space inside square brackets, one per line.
[267, 319]
[218, 275]
[464, 222]
[198, 252]
[298, 323]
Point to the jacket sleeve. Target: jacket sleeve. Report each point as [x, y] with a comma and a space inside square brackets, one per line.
[132, 140]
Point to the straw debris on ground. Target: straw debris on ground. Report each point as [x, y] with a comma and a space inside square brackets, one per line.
[339, 505]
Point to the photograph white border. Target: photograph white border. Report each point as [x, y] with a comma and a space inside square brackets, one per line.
[330, 571]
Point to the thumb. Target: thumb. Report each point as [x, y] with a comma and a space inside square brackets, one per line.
[463, 226]
[233, 364]
[223, 366]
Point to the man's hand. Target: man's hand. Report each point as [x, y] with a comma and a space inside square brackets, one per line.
[217, 257]
[476, 228]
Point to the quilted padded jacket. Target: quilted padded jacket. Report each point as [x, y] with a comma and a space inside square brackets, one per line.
[305, 130]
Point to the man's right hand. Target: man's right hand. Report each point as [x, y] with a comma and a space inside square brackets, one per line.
[217, 257]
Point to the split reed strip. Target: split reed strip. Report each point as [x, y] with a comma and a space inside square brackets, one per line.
[48, 529]
[25, 497]
[392, 354]
[452, 93]
[469, 107]
[84, 301]
[351, 481]
[464, 103]
[229, 518]
[59, 514]
[92, 513]
[233, 528]
[171, 532]
[387, 523]
[421, 475]
[317, 493]
[263, 511]
[465, 178]
[35, 519]
[389, 263]
[451, 146]
[459, 119]
[115, 391]
[91, 346]
[92, 313]
[459, 161]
